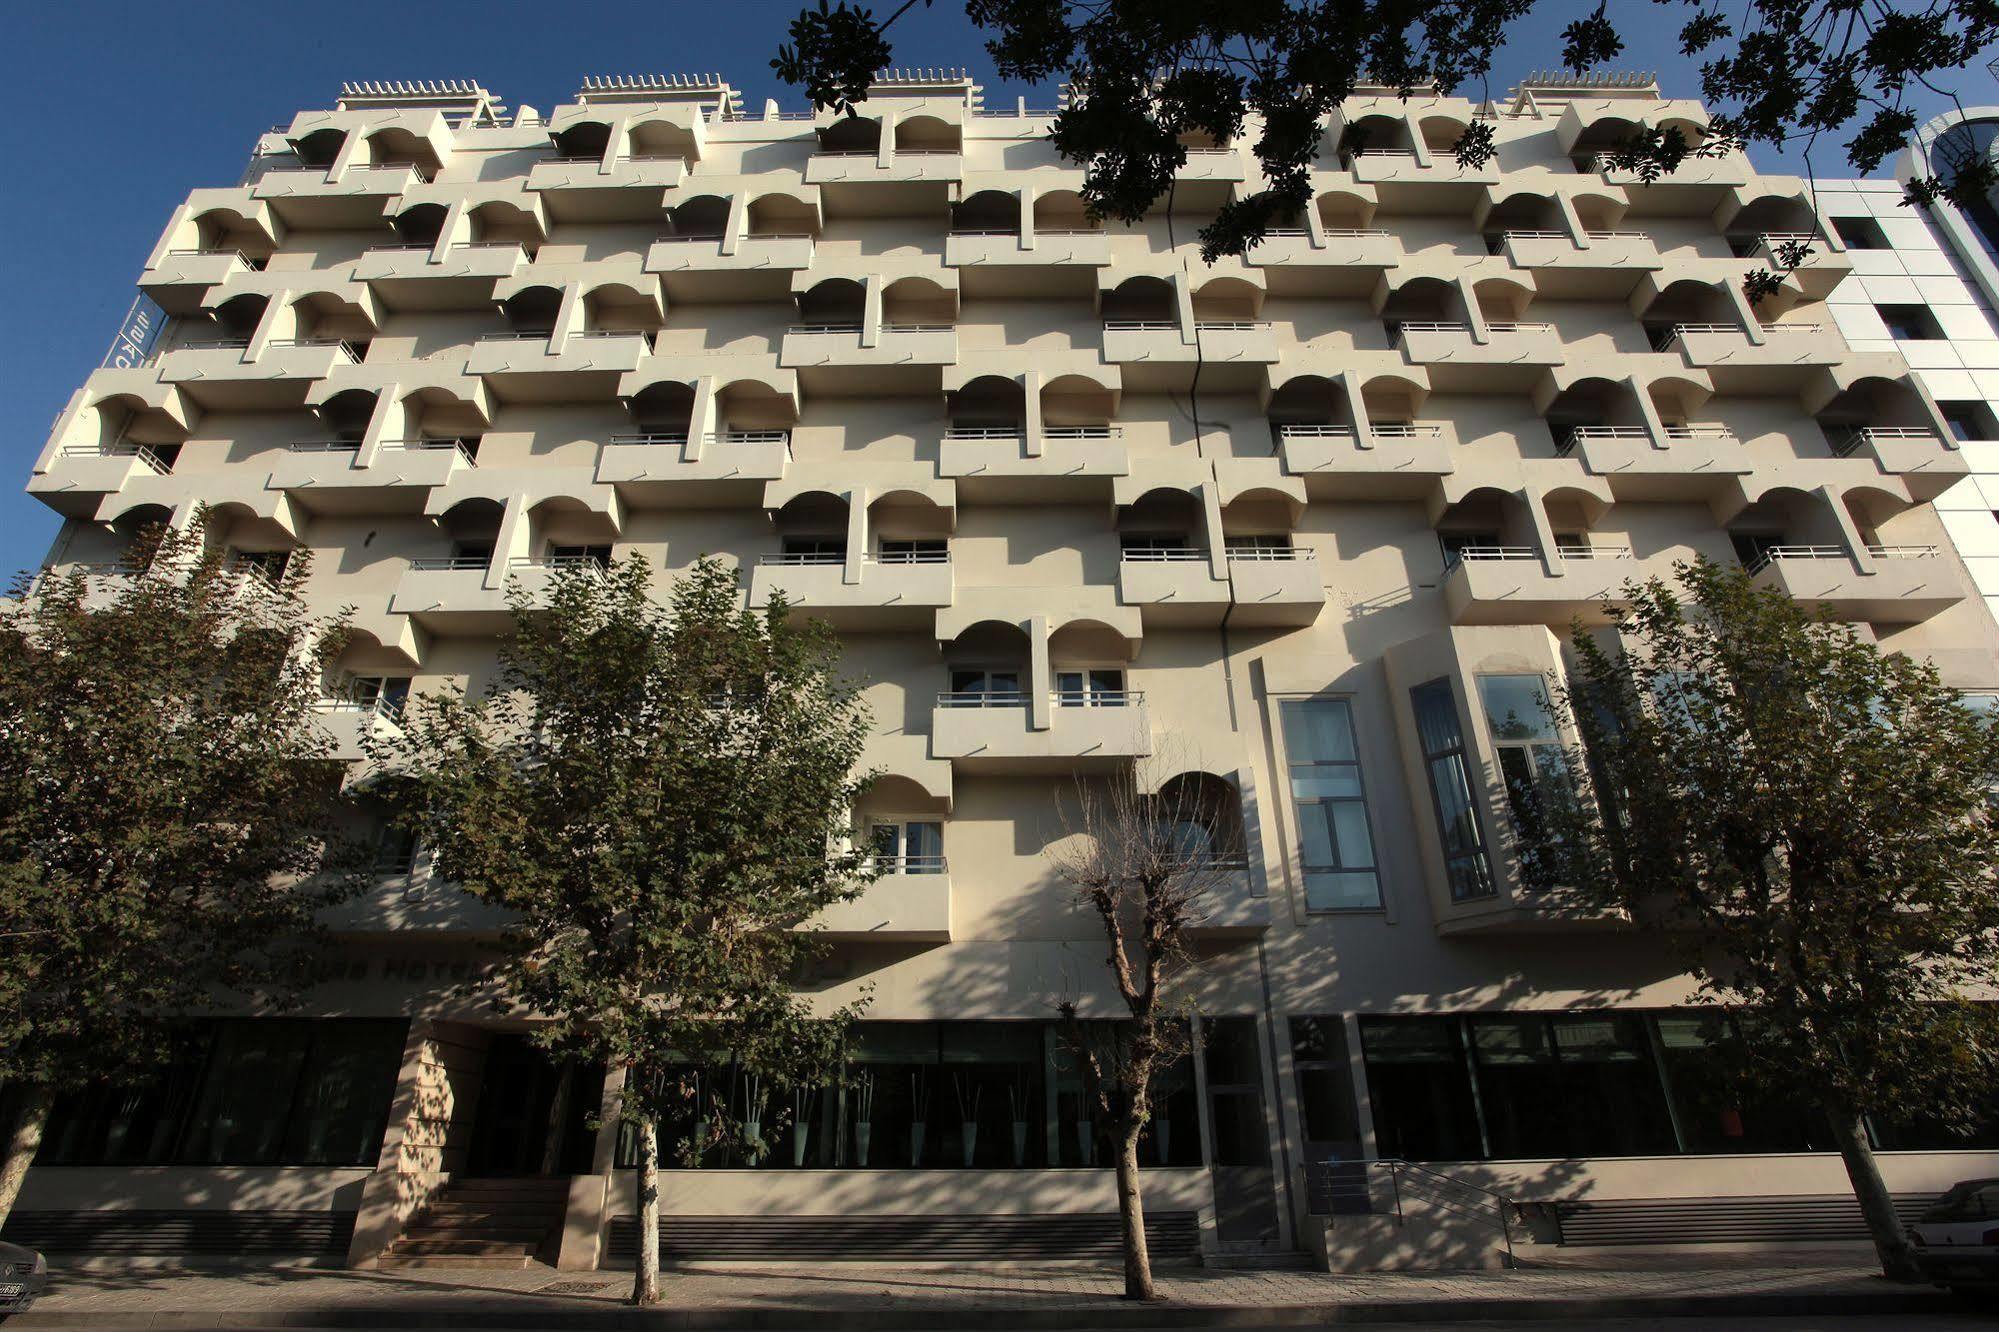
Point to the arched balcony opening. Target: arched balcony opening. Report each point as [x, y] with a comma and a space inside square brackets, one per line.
[662, 140]
[584, 141]
[1309, 405]
[1678, 404]
[928, 134]
[141, 522]
[902, 844]
[1226, 301]
[420, 224]
[1258, 525]
[812, 529]
[498, 223]
[909, 528]
[1391, 404]
[1199, 815]
[987, 666]
[1087, 662]
[1441, 134]
[1771, 221]
[1341, 212]
[987, 213]
[1687, 305]
[1201, 141]
[531, 312]
[1600, 214]
[225, 230]
[319, 148]
[1077, 407]
[662, 411]
[1142, 302]
[1528, 215]
[1573, 515]
[851, 135]
[918, 303]
[255, 545]
[1603, 135]
[988, 407]
[1877, 515]
[1786, 523]
[1487, 524]
[835, 303]
[471, 530]
[398, 147]
[1288, 218]
[617, 308]
[231, 323]
[563, 531]
[1592, 408]
[1502, 302]
[1063, 211]
[754, 407]
[1874, 409]
[1161, 524]
[346, 414]
[126, 423]
[1425, 303]
[776, 215]
[1377, 136]
[705, 217]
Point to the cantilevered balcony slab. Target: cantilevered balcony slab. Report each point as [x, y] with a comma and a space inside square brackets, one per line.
[1276, 587]
[81, 476]
[908, 167]
[698, 267]
[224, 375]
[1173, 587]
[1906, 585]
[909, 903]
[413, 277]
[994, 464]
[326, 476]
[350, 725]
[1512, 585]
[1513, 356]
[585, 189]
[1610, 264]
[667, 468]
[887, 595]
[450, 596]
[529, 368]
[1692, 462]
[1924, 460]
[1789, 356]
[977, 736]
[1397, 462]
[1007, 250]
[1350, 262]
[1230, 908]
[180, 282]
[359, 198]
[830, 359]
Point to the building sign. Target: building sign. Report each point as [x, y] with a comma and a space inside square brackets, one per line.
[136, 335]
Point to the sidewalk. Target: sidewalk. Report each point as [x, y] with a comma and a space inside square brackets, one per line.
[1566, 1285]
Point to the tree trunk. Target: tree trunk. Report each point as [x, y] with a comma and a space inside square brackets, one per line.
[22, 1143]
[1898, 1260]
[645, 1289]
[1131, 1212]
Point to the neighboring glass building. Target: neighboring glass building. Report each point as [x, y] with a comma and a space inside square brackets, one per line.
[1308, 527]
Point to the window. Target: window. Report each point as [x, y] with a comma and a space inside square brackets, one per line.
[1156, 546]
[815, 550]
[1984, 705]
[1262, 546]
[598, 556]
[927, 551]
[1092, 688]
[1910, 323]
[1860, 233]
[269, 565]
[1753, 548]
[1969, 420]
[1420, 1089]
[395, 851]
[1336, 851]
[382, 694]
[1325, 1088]
[1465, 861]
[478, 551]
[1455, 544]
[915, 847]
[1569, 1085]
[984, 687]
[1531, 759]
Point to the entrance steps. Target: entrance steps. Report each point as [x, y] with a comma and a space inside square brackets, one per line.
[484, 1223]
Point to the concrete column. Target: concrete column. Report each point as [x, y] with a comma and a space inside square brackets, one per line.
[885, 147]
[738, 225]
[1474, 317]
[350, 150]
[1370, 1144]
[1040, 679]
[1544, 533]
[1571, 221]
[1655, 429]
[457, 230]
[614, 147]
[588, 1216]
[1416, 140]
[280, 320]
[1315, 227]
[511, 543]
[1183, 306]
[1363, 429]
[1209, 495]
[389, 420]
[1849, 532]
[1032, 443]
[1752, 327]
[701, 419]
[871, 311]
[568, 318]
[857, 536]
[1027, 194]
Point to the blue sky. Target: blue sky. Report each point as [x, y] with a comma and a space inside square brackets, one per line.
[118, 109]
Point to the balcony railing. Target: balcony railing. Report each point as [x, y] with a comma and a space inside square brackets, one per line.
[1464, 554]
[1082, 432]
[144, 455]
[981, 432]
[824, 328]
[1407, 430]
[1229, 325]
[1666, 339]
[1519, 326]
[1575, 435]
[324, 446]
[1163, 554]
[1594, 552]
[422, 173]
[1859, 439]
[910, 557]
[1314, 432]
[805, 557]
[1141, 325]
[1902, 552]
[386, 709]
[1699, 432]
[1097, 698]
[426, 445]
[345, 347]
[1271, 553]
[254, 265]
[885, 865]
[1772, 554]
[982, 698]
[918, 328]
[589, 563]
[448, 563]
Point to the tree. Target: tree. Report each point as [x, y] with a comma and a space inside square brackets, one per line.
[659, 794]
[1812, 819]
[1144, 73]
[1146, 866]
[168, 813]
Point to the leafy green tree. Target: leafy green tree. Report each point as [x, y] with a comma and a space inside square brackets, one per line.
[1143, 73]
[1137, 863]
[168, 813]
[1811, 818]
[660, 794]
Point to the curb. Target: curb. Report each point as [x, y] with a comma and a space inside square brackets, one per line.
[1066, 1318]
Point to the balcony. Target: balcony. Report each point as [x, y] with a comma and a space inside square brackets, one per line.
[82, 474]
[587, 366]
[910, 166]
[1400, 171]
[1696, 459]
[588, 189]
[910, 902]
[838, 346]
[1908, 584]
[1172, 585]
[326, 475]
[449, 593]
[306, 197]
[1054, 248]
[221, 373]
[1513, 355]
[993, 461]
[697, 265]
[660, 464]
[1138, 340]
[1789, 354]
[1919, 456]
[1821, 269]
[1402, 461]
[1345, 248]
[410, 277]
[893, 590]
[1230, 907]
[1276, 587]
[995, 731]
[1709, 176]
[1236, 341]
[351, 724]
[1512, 585]
[1613, 260]
[182, 277]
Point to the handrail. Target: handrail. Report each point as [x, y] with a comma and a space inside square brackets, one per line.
[652, 437]
[983, 231]
[982, 698]
[1431, 326]
[981, 432]
[1465, 553]
[810, 557]
[1699, 432]
[447, 563]
[1865, 435]
[590, 562]
[1139, 325]
[1096, 698]
[1314, 432]
[824, 328]
[345, 347]
[1772, 554]
[1277, 554]
[1162, 554]
[909, 864]
[324, 446]
[919, 328]
[1411, 430]
[142, 453]
[1082, 432]
[1902, 552]
[1355, 231]
[909, 557]
[1589, 552]
[1458, 1196]
[1229, 325]
[426, 445]
[1520, 326]
[1792, 328]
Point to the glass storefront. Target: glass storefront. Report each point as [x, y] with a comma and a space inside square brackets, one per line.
[239, 1092]
[931, 1096]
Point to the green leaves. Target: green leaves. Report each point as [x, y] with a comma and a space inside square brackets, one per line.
[168, 804]
[661, 793]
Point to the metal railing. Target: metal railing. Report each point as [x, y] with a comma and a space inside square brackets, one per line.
[448, 563]
[1270, 553]
[919, 328]
[1902, 552]
[1519, 326]
[1354, 231]
[1406, 430]
[1664, 339]
[982, 698]
[324, 446]
[1315, 432]
[909, 864]
[984, 231]
[805, 557]
[1699, 432]
[981, 432]
[724, 437]
[1352, 1183]
[141, 453]
[342, 345]
[1865, 435]
[1082, 432]
[589, 563]
[1162, 554]
[816, 329]
[1791, 328]
[1408, 326]
[651, 438]
[679, 237]
[384, 708]
[1773, 554]
[1140, 325]
[1575, 435]
[463, 447]
[421, 172]
[910, 557]
[1466, 554]
[1229, 325]
[1040, 231]
[1096, 698]
[1593, 552]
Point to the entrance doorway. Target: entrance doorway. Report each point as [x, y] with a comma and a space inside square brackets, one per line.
[533, 1112]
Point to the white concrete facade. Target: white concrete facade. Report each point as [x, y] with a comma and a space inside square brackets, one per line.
[1282, 526]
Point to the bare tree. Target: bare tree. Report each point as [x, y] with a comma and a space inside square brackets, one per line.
[1147, 863]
